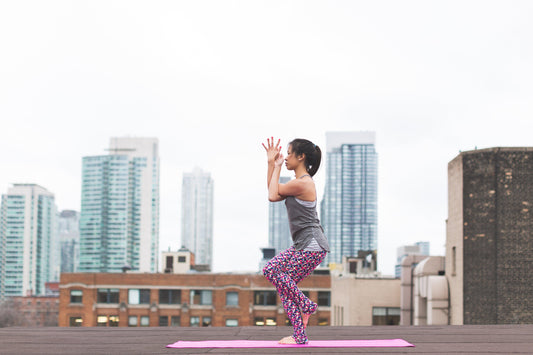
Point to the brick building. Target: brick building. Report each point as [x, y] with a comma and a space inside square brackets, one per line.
[36, 311]
[489, 240]
[189, 299]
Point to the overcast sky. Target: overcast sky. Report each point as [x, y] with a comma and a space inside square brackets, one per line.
[213, 79]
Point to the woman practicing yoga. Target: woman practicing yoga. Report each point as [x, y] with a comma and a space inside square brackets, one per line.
[310, 245]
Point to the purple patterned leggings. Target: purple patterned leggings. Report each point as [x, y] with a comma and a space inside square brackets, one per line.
[285, 271]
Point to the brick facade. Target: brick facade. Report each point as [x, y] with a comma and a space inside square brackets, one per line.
[36, 311]
[498, 236]
[84, 309]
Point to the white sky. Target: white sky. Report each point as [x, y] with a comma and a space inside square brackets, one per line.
[213, 79]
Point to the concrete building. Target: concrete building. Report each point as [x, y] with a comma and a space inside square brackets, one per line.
[349, 207]
[119, 224]
[27, 235]
[279, 234]
[424, 291]
[489, 239]
[360, 296]
[197, 215]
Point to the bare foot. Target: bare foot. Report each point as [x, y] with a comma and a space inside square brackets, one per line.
[305, 319]
[287, 340]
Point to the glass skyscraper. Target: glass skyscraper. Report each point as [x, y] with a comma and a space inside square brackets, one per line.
[279, 234]
[197, 215]
[27, 235]
[349, 205]
[68, 230]
[119, 223]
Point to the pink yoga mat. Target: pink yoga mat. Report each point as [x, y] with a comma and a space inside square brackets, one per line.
[387, 343]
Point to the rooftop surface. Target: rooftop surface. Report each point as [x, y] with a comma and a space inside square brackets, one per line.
[470, 339]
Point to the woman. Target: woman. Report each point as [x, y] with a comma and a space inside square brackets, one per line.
[310, 245]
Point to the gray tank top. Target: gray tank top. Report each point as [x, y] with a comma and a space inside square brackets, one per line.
[304, 224]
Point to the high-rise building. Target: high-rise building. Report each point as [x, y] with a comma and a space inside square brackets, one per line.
[197, 215]
[279, 234]
[119, 223]
[27, 234]
[68, 229]
[419, 248]
[489, 241]
[349, 207]
[424, 247]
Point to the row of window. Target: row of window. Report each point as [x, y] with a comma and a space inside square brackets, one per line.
[175, 321]
[197, 297]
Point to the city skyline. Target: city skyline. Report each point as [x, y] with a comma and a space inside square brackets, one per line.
[213, 81]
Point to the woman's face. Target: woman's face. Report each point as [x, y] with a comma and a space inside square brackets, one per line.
[291, 160]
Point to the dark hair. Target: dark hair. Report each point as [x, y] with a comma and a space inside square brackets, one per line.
[312, 153]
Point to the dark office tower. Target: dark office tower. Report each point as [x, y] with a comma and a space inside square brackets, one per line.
[279, 234]
[349, 206]
[489, 244]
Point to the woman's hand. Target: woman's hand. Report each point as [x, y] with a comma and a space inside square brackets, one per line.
[273, 152]
[279, 160]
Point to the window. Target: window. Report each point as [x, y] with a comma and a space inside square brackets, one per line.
[202, 297]
[76, 296]
[104, 321]
[113, 321]
[232, 298]
[170, 261]
[264, 321]
[206, 321]
[75, 321]
[169, 296]
[324, 298]
[163, 321]
[454, 261]
[175, 321]
[101, 321]
[182, 259]
[107, 295]
[265, 298]
[194, 322]
[145, 321]
[385, 316]
[323, 321]
[136, 296]
[132, 321]
[232, 322]
[353, 267]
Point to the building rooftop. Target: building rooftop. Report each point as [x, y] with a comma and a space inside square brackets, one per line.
[470, 339]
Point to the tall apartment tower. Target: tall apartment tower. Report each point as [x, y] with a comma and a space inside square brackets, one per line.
[68, 229]
[489, 241]
[27, 236]
[197, 215]
[349, 206]
[279, 234]
[119, 223]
